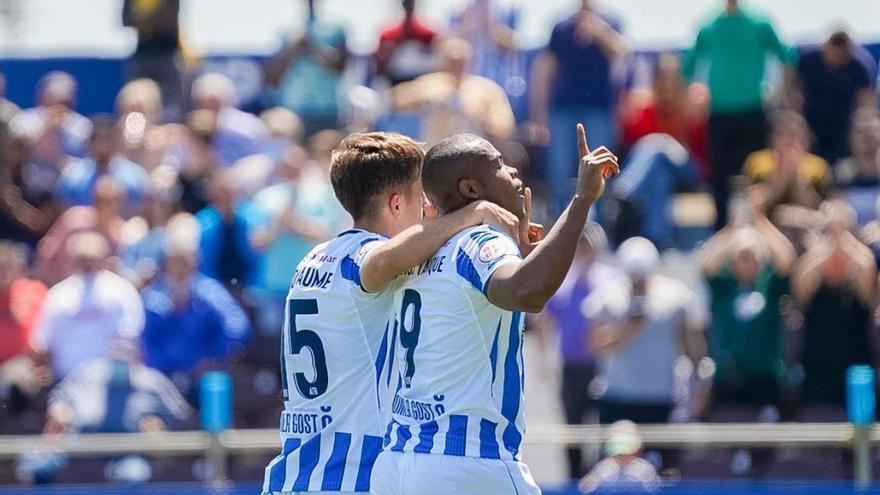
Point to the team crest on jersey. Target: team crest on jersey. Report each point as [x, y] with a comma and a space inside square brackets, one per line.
[494, 249]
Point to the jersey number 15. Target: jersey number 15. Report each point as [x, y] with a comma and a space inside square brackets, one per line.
[300, 339]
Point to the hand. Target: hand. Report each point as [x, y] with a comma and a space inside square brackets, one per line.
[789, 161]
[529, 233]
[263, 238]
[871, 233]
[9, 195]
[303, 43]
[429, 211]
[536, 133]
[758, 197]
[55, 117]
[536, 232]
[59, 419]
[151, 424]
[589, 27]
[54, 427]
[491, 214]
[594, 169]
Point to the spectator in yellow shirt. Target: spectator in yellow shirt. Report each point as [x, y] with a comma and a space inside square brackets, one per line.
[792, 174]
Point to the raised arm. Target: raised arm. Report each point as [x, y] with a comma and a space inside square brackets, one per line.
[607, 336]
[807, 274]
[863, 266]
[713, 255]
[543, 72]
[781, 249]
[417, 243]
[694, 55]
[529, 284]
[276, 67]
[613, 45]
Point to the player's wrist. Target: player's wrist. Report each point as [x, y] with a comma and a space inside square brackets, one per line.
[583, 199]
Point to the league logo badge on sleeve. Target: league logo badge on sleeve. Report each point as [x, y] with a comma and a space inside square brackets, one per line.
[365, 250]
[494, 249]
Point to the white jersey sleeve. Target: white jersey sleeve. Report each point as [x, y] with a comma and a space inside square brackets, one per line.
[482, 252]
[351, 265]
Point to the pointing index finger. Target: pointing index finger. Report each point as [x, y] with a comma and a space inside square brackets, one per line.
[583, 149]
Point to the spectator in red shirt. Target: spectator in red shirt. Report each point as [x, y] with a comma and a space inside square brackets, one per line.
[670, 107]
[405, 49]
[20, 303]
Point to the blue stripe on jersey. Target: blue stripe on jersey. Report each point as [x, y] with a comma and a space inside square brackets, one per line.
[309, 454]
[386, 440]
[335, 467]
[493, 354]
[393, 352]
[465, 267]
[350, 270]
[279, 469]
[456, 437]
[426, 437]
[510, 398]
[369, 451]
[403, 436]
[488, 442]
[380, 363]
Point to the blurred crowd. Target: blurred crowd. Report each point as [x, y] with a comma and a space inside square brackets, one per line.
[143, 248]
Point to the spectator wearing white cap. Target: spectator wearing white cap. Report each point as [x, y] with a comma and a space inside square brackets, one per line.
[747, 266]
[85, 312]
[623, 468]
[643, 323]
[193, 324]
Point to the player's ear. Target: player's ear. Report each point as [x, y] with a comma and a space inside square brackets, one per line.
[395, 203]
[469, 188]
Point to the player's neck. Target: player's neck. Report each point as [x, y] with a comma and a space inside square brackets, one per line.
[376, 226]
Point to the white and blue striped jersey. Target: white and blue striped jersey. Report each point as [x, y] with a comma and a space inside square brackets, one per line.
[458, 356]
[334, 346]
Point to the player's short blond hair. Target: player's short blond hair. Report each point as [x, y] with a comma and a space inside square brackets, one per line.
[365, 166]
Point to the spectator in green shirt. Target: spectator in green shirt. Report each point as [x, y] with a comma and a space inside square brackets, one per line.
[734, 46]
[747, 266]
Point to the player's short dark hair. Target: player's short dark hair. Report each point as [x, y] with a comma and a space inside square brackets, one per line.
[366, 165]
[446, 164]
